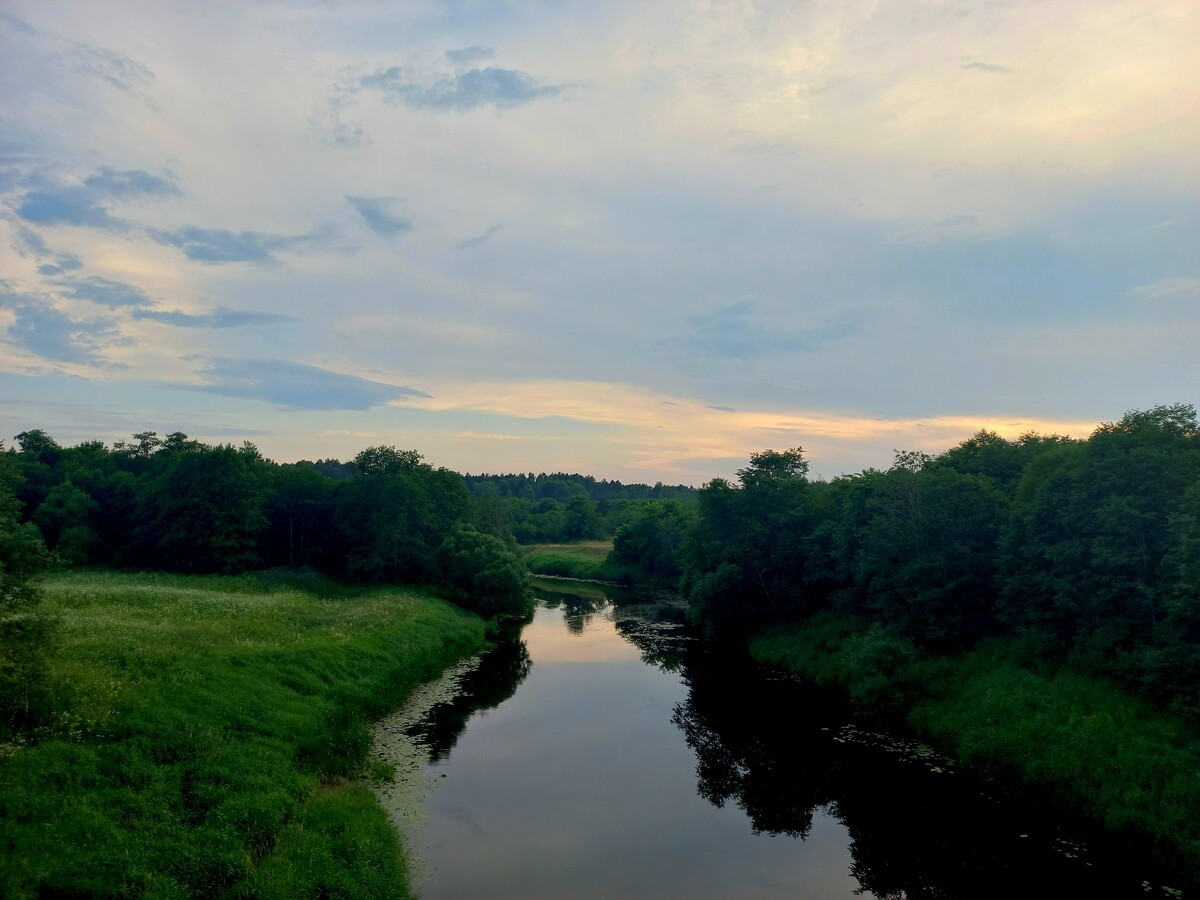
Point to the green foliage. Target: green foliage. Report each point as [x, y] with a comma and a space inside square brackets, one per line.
[585, 560]
[1094, 542]
[203, 731]
[927, 559]
[393, 521]
[1005, 710]
[202, 512]
[873, 665]
[386, 460]
[25, 635]
[484, 575]
[652, 540]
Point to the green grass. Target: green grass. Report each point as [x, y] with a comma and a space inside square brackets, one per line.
[1000, 709]
[584, 559]
[208, 734]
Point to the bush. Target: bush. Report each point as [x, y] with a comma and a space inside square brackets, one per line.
[479, 573]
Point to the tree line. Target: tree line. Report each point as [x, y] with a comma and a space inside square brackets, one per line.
[1090, 547]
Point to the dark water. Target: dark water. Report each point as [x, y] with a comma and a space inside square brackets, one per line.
[605, 752]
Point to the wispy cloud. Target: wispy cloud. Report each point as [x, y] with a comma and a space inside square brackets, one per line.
[732, 333]
[67, 206]
[993, 68]
[468, 55]
[684, 433]
[295, 385]
[1168, 287]
[88, 204]
[471, 243]
[218, 318]
[218, 245]
[51, 334]
[28, 242]
[104, 291]
[130, 184]
[501, 88]
[374, 211]
[58, 54]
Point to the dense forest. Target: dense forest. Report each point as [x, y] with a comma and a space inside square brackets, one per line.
[176, 504]
[1089, 548]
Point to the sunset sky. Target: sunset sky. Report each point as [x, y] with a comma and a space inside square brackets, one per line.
[636, 240]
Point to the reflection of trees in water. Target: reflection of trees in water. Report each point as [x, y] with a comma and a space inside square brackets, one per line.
[748, 750]
[577, 607]
[760, 745]
[497, 677]
[657, 631]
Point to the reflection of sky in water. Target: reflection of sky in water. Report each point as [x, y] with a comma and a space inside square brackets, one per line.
[552, 639]
[580, 785]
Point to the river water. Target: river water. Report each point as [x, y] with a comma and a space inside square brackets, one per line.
[606, 752]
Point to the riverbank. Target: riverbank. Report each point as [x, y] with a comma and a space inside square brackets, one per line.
[1005, 712]
[207, 734]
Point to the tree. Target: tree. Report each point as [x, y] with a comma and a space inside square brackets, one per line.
[204, 511]
[25, 637]
[386, 460]
[483, 575]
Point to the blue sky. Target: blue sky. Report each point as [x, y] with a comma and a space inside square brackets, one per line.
[637, 240]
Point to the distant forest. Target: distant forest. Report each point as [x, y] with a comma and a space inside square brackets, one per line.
[175, 504]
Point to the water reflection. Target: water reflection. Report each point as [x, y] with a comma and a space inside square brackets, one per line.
[632, 774]
[784, 752]
[497, 677]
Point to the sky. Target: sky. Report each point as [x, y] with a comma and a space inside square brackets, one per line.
[634, 240]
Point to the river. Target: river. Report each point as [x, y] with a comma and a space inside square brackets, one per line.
[607, 752]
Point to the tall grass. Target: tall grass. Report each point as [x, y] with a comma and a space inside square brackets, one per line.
[1002, 709]
[205, 736]
[586, 560]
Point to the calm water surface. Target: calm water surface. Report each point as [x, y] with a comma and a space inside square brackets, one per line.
[605, 752]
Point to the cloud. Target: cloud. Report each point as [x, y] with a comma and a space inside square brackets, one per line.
[501, 88]
[104, 291]
[681, 438]
[729, 333]
[468, 55]
[993, 68]
[218, 318]
[296, 386]
[74, 205]
[1168, 287]
[115, 69]
[87, 205]
[59, 54]
[217, 245]
[375, 213]
[51, 334]
[471, 243]
[124, 185]
[28, 242]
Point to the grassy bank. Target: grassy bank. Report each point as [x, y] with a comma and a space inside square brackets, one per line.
[584, 559]
[206, 733]
[999, 709]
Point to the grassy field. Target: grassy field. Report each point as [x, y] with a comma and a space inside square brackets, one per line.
[207, 737]
[1081, 741]
[584, 559]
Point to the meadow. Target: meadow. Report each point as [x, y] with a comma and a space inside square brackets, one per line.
[587, 560]
[208, 736]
